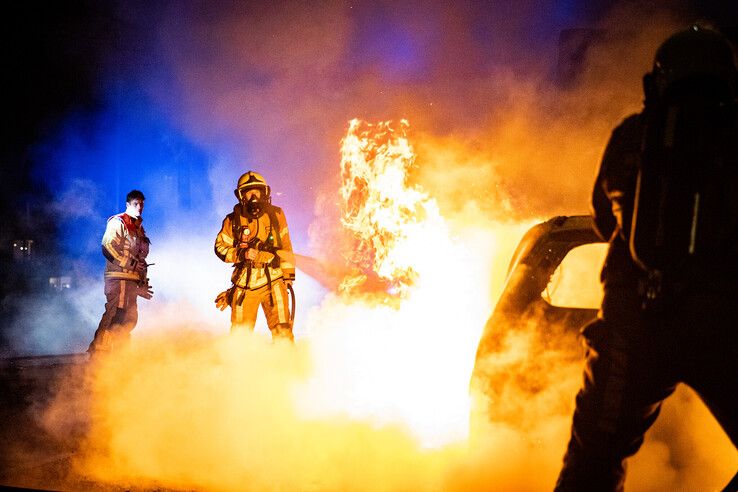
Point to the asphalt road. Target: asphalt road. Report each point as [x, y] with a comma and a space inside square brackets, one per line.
[38, 453]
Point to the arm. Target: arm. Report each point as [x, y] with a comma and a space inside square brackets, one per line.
[225, 244]
[616, 179]
[604, 220]
[145, 243]
[286, 256]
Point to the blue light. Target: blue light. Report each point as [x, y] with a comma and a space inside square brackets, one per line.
[96, 157]
[398, 50]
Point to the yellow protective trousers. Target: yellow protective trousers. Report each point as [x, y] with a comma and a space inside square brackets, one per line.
[245, 305]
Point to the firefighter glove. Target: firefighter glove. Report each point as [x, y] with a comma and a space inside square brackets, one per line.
[247, 254]
[221, 300]
[145, 290]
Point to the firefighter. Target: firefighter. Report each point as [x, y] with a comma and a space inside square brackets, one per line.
[125, 247]
[254, 237]
[665, 198]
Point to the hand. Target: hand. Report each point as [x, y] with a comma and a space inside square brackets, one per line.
[247, 254]
[145, 291]
[138, 266]
[221, 300]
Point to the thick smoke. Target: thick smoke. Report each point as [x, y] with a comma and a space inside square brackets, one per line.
[279, 83]
[502, 137]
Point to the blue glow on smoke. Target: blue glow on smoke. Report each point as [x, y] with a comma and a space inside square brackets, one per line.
[97, 157]
[393, 47]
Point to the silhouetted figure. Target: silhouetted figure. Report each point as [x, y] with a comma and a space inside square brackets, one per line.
[666, 197]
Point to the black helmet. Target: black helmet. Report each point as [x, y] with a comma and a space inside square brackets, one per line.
[696, 57]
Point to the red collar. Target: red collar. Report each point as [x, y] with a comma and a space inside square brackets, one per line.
[132, 224]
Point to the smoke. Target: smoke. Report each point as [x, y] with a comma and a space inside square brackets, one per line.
[221, 414]
[687, 449]
[502, 140]
[184, 409]
[280, 82]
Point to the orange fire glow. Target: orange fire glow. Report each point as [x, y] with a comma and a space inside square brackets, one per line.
[403, 357]
[375, 396]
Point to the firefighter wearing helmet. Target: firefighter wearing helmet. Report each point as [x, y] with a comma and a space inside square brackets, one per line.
[255, 239]
[665, 198]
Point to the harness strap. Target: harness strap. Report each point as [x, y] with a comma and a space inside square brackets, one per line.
[241, 296]
[248, 272]
[274, 225]
[269, 284]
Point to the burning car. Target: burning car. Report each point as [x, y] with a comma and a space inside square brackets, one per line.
[526, 314]
[528, 361]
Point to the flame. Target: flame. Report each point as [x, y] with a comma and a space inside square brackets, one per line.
[403, 356]
[390, 219]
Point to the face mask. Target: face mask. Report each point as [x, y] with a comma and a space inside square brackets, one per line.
[255, 207]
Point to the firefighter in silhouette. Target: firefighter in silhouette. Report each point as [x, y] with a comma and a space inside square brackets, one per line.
[125, 247]
[255, 238]
[666, 198]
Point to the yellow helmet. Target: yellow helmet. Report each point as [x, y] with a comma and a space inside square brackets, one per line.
[252, 180]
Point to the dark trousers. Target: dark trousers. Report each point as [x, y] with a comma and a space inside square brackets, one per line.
[634, 361]
[120, 316]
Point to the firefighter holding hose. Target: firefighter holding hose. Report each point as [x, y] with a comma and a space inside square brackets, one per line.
[255, 239]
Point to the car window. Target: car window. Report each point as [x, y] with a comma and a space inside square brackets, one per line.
[576, 281]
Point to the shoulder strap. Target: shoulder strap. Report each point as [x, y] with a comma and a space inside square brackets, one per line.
[235, 226]
[274, 237]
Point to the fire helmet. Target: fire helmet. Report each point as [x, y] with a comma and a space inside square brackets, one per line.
[698, 55]
[251, 180]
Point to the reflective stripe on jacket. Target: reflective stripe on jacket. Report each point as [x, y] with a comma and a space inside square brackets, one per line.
[124, 244]
[226, 247]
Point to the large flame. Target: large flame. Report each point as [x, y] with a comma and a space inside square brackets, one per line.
[391, 220]
[407, 361]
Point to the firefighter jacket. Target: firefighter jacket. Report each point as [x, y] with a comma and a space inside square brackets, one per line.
[126, 247]
[612, 200]
[614, 195]
[269, 235]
